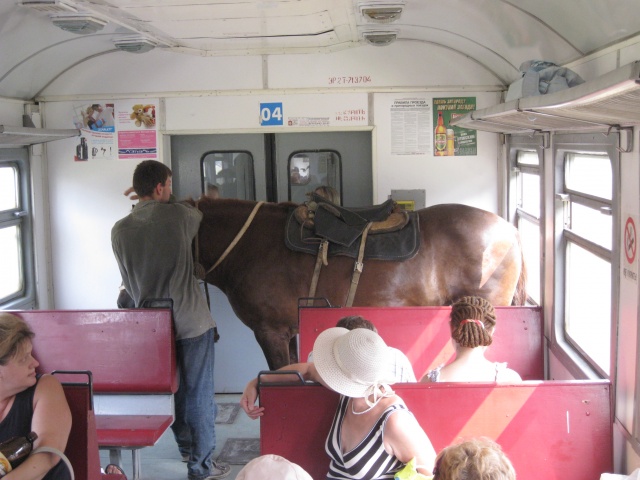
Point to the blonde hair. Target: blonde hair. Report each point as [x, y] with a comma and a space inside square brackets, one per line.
[329, 193]
[474, 459]
[472, 322]
[13, 333]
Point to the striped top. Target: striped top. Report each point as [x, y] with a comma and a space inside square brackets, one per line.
[367, 461]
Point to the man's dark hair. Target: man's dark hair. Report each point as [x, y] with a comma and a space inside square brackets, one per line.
[356, 321]
[147, 175]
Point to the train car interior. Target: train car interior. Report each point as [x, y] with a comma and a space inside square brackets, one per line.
[529, 109]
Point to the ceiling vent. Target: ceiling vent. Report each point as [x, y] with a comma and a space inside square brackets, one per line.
[380, 38]
[79, 23]
[374, 12]
[49, 6]
[134, 44]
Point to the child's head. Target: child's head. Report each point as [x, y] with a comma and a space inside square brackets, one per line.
[477, 458]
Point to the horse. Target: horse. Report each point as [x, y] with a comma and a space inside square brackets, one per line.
[463, 251]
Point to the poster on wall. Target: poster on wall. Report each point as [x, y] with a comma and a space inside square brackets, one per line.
[449, 140]
[119, 130]
[136, 129]
[410, 126]
[96, 122]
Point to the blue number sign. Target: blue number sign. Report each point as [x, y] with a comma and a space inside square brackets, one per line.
[271, 114]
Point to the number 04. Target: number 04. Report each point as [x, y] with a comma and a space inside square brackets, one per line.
[266, 114]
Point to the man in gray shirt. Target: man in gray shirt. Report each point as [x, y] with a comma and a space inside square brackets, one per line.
[152, 246]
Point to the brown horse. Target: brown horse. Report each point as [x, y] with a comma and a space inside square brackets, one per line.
[464, 251]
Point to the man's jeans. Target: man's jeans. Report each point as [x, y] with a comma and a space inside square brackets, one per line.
[194, 425]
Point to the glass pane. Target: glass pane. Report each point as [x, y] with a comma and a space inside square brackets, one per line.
[589, 174]
[10, 254]
[8, 188]
[310, 170]
[531, 194]
[589, 223]
[530, 237]
[588, 303]
[527, 158]
[228, 175]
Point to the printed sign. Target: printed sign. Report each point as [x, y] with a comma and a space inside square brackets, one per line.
[271, 114]
[630, 247]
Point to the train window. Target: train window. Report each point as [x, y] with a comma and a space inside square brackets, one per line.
[587, 237]
[527, 216]
[16, 246]
[309, 170]
[228, 175]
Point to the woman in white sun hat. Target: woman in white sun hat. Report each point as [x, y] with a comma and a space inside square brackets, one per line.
[373, 434]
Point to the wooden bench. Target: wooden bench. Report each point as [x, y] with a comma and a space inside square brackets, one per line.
[549, 429]
[423, 334]
[131, 354]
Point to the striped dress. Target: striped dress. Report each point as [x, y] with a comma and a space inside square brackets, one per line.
[367, 461]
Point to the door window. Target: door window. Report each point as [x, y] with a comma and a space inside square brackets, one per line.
[228, 175]
[309, 171]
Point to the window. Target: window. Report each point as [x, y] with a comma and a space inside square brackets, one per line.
[525, 192]
[585, 215]
[310, 170]
[228, 175]
[16, 245]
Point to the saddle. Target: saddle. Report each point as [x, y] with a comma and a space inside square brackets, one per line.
[393, 234]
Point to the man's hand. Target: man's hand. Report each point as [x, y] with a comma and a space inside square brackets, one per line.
[129, 191]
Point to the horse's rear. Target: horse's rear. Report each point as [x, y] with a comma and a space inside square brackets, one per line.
[468, 251]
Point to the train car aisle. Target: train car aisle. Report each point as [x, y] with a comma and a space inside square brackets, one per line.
[237, 440]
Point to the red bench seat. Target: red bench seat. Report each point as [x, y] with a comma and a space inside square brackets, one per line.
[550, 430]
[423, 334]
[131, 355]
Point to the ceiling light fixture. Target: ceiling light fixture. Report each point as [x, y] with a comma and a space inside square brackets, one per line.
[49, 6]
[134, 44]
[381, 12]
[379, 38]
[78, 23]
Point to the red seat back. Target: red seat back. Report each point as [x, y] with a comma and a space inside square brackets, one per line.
[549, 430]
[422, 333]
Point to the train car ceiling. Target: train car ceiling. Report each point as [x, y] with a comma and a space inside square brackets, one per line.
[57, 36]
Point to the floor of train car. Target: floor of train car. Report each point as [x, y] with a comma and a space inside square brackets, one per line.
[163, 462]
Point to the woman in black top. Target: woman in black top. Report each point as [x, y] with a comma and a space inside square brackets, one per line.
[29, 403]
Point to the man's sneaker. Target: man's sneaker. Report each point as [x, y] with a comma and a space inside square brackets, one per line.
[218, 470]
[185, 457]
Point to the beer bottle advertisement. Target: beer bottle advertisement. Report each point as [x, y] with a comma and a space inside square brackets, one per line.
[450, 140]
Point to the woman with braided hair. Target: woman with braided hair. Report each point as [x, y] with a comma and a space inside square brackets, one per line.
[473, 321]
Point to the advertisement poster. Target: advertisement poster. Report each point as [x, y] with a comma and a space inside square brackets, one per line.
[120, 130]
[410, 126]
[448, 140]
[136, 130]
[97, 124]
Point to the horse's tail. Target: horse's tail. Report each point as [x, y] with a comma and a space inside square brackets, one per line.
[520, 294]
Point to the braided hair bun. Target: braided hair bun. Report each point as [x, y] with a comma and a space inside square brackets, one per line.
[472, 322]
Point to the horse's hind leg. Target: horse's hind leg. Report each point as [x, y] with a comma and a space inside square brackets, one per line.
[275, 346]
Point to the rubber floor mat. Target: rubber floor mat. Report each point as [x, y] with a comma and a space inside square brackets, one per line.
[227, 412]
[240, 451]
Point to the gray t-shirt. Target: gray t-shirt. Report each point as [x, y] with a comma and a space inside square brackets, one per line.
[152, 246]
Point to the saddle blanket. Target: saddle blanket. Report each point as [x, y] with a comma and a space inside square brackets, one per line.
[399, 245]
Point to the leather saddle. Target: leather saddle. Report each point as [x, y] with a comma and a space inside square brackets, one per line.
[394, 233]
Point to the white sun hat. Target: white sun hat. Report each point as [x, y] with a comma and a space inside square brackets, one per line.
[354, 363]
[272, 467]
